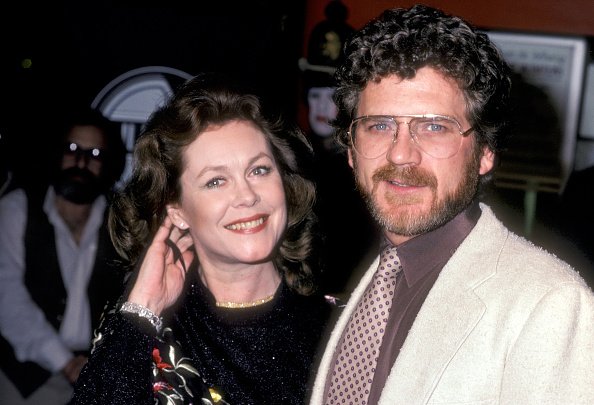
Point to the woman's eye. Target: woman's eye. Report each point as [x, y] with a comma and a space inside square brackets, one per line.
[261, 170]
[214, 183]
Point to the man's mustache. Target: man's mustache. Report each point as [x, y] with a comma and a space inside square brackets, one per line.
[79, 174]
[410, 175]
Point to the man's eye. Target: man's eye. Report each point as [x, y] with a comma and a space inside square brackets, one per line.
[379, 127]
[435, 127]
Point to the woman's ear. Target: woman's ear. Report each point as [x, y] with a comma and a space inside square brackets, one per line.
[174, 213]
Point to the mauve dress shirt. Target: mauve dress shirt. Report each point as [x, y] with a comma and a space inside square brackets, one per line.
[422, 259]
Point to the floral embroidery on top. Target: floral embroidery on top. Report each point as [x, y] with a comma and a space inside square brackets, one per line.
[175, 380]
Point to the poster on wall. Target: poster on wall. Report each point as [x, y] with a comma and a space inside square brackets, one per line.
[549, 75]
[584, 157]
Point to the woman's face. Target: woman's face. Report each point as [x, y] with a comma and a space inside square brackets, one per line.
[232, 197]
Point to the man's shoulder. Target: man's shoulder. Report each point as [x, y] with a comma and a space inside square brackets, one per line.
[13, 202]
[524, 261]
[24, 195]
[18, 194]
[493, 239]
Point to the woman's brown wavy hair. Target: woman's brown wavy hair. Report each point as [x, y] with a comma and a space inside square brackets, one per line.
[206, 100]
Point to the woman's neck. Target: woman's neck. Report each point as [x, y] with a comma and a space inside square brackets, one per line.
[242, 286]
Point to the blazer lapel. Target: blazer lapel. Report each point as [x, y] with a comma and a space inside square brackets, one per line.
[325, 364]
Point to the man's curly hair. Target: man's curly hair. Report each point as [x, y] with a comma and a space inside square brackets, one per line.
[402, 41]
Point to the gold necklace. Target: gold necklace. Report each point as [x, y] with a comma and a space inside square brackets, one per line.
[231, 304]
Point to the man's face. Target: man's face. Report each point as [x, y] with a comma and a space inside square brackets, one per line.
[79, 180]
[408, 191]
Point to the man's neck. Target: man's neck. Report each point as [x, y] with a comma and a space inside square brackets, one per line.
[74, 215]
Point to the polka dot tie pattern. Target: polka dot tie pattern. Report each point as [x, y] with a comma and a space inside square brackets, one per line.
[350, 381]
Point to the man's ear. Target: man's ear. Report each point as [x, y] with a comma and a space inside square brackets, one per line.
[177, 217]
[487, 161]
[350, 155]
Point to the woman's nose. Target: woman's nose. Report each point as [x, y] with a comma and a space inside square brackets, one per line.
[246, 195]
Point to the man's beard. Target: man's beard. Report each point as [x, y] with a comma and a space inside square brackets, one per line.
[78, 185]
[411, 222]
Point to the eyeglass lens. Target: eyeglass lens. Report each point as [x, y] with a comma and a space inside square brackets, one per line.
[75, 149]
[438, 136]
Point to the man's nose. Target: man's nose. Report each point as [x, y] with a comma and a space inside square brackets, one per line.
[403, 149]
[81, 159]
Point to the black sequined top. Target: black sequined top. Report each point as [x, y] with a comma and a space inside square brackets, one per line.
[258, 355]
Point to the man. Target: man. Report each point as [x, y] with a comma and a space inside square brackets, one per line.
[57, 264]
[470, 313]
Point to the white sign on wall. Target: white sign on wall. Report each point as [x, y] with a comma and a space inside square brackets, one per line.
[587, 120]
[556, 66]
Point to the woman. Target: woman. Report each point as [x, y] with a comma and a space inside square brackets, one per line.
[220, 307]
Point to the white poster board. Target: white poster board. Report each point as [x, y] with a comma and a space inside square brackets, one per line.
[587, 120]
[555, 65]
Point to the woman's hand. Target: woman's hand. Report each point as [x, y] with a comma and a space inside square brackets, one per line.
[72, 369]
[163, 271]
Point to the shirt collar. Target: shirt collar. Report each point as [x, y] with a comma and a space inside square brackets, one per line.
[95, 219]
[422, 254]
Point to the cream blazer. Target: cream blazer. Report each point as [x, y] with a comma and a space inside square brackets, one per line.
[505, 323]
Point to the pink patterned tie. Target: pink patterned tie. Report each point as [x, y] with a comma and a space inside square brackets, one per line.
[358, 351]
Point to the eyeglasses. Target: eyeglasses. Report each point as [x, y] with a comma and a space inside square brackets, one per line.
[75, 150]
[438, 136]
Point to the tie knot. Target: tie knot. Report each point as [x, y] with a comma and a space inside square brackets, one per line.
[389, 263]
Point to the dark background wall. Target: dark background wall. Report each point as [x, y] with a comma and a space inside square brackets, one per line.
[551, 16]
[77, 47]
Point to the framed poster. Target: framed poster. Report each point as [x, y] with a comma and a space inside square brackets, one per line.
[587, 120]
[553, 66]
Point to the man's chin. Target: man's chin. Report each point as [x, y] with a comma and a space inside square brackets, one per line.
[405, 220]
[410, 216]
[78, 193]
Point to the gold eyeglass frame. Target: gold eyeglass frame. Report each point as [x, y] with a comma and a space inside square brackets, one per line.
[412, 135]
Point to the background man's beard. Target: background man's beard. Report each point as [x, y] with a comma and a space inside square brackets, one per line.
[412, 222]
[78, 185]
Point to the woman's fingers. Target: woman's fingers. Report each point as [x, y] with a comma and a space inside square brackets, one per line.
[162, 235]
[157, 286]
[185, 242]
[180, 242]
